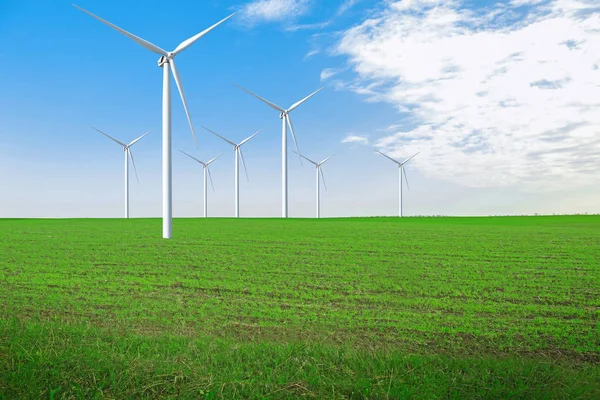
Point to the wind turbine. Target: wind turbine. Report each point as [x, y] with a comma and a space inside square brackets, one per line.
[401, 171]
[318, 170]
[285, 121]
[128, 155]
[205, 169]
[238, 153]
[167, 63]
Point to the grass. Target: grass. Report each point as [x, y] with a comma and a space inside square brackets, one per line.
[505, 307]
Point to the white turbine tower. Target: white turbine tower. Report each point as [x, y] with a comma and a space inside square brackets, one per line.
[285, 121]
[401, 172]
[238, 152]
[318, 170]
[205, 169]
[128, 155]
[167, 62]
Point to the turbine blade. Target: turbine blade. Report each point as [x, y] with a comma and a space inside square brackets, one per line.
[215, 133]
[410, 158]
[306, 158]
[323, 178]
[193, 158]
[138, 139]
[289, 121]
[323, 162]
[272, 105]
[386, 156]
[244, 162]
[110, 137]
[214, 159]
[138, 40]
[249, 137]
[180, 87]
[296, 104]
[405, 178]
[133, 162]
[210, 177]
[187, 43]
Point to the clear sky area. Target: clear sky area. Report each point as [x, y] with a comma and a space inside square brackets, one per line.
[501, 99]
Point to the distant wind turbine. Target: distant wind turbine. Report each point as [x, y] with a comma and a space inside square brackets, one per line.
[238, 152]
[167, 62]
[128, 155]
[285, 121]
[318, 170]
[401, 172]
[205, 169]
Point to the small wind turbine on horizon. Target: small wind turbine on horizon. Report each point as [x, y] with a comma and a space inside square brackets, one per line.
[205, 170]
[167, 63]
[238, 152]
[128, 155]
[318, 170]
[401, 172]
[285, 122]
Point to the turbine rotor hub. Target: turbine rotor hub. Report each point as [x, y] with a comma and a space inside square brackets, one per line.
[282, 115]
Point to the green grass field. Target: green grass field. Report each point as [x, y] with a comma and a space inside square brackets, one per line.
[366, 308]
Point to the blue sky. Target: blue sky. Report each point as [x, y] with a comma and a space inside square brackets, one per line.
[500, 98]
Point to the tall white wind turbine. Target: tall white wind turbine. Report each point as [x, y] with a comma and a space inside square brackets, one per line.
[285, 122]
[205, 170]
[128, 155]
[238, 152]
[318, 170]
[167, 62]
[401, 172]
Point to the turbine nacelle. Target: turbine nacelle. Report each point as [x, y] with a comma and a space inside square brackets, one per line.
[162, 61]
[165, 59]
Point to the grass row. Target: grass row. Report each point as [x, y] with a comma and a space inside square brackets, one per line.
[51, 360]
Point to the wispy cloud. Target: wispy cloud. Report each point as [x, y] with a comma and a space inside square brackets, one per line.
[346, 5]
[318, 43]
[355, 139]
[518, 3]
[329, 72]
[342, 9]
[274, 10]
[499, 96]
[312, 53]
[317, 25]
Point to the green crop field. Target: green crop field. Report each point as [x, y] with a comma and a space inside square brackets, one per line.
[362, 308]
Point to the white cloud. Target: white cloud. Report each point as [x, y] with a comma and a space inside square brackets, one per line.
[274, 10]
[329, 72]
[355, 139]
[496, 96]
